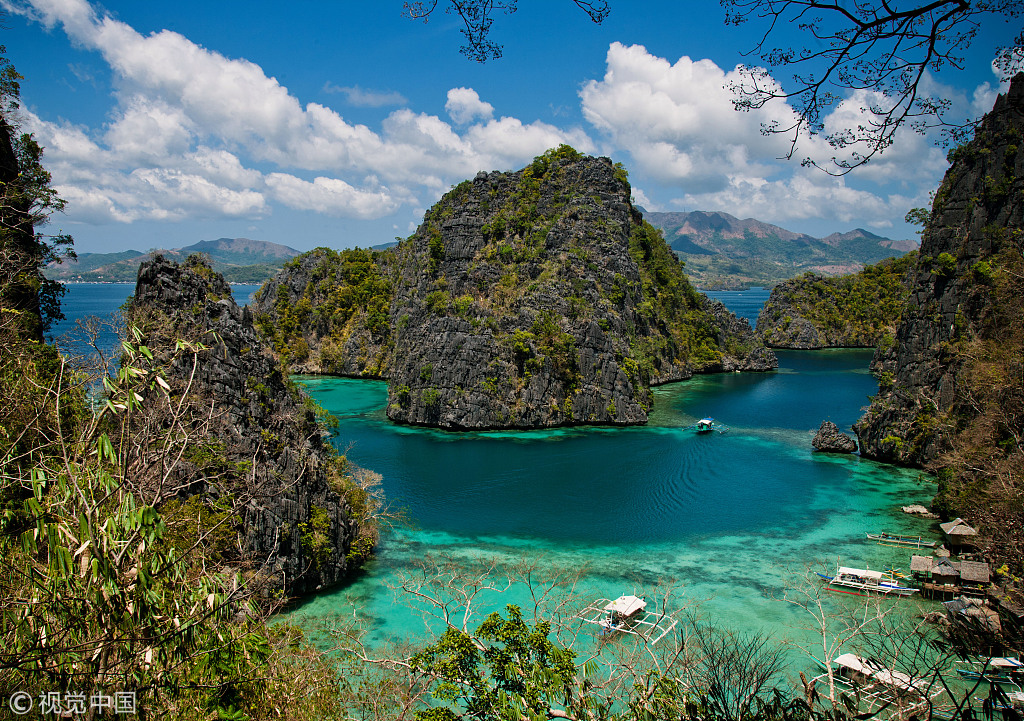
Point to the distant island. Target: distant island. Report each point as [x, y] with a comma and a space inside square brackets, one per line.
[723, 252]
[857, 310]
[240, 260]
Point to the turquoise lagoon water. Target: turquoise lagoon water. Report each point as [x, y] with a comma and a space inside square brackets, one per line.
[733, 518]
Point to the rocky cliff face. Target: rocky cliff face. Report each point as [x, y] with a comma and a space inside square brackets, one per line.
[859, 310]
[968, 268]
[526, 299]
[260, 449]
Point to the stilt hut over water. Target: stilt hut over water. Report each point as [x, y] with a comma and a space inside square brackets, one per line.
[943, 578]
[974, 577]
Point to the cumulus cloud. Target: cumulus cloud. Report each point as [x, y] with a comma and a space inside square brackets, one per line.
[805, 195]
[465, 105]
[188, 119]
[331, 196]
[678, 123]
[677, 120]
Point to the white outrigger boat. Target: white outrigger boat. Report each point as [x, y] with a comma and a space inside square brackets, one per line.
[628, 614]
[880, 687]
[706, 425]
[863, 582]
[1008, 670]
[895, 539]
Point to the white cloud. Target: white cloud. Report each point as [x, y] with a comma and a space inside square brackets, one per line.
[809, 194]
[148, 131]
[361, 98]
[203, 120]
[640, 198]
[331, 196]
[679, 124]
[677, 120]
[465, 105]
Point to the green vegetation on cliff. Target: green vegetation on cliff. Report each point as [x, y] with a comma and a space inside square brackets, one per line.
[533, 298]
[325, 297]
[952, 391]
[856, 310]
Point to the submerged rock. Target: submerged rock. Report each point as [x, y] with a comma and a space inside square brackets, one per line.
[830, 439]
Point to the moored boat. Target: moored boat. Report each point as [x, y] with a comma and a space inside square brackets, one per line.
[706, 425]
[1007, 670]
[628, 614]
[895, 539]
[863, 582]
[880, 688]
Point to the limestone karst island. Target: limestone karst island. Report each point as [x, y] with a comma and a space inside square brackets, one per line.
[474, 361]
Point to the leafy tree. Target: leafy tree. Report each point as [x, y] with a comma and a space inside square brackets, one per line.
[505, 670]
[93, 597]
[27, 201]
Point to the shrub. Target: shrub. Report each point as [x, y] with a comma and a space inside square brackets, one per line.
[945, 265]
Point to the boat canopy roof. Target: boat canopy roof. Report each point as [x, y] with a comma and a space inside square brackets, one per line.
[863, 573]
[1006, 662]
[894, 679]
[627, 605]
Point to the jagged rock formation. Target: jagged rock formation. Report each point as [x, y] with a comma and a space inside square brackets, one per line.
[829, 439]
[262, 452]
[526, 299]
[859, 310]
[961, 311]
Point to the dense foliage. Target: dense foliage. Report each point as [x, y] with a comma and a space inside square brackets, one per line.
[340, 293]
[982, 473]
[26, 203]
[859, 309]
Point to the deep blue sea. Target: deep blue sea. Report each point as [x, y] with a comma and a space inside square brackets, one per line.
[101, 301]
[733, 519]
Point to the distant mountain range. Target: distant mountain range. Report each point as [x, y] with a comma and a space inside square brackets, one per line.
[241, 260]
[722, 251]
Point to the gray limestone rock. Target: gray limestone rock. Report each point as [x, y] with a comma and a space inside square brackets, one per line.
[259, 419]
[527, 299]
[978, 210]
[830, 439]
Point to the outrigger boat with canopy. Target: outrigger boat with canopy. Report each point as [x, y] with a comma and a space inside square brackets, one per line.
[706, 425]
[628, 614]
[1002, 670]
[895, 539]
[863, 582]
[881, 687]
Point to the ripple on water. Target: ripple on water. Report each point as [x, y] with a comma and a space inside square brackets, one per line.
[735, 518]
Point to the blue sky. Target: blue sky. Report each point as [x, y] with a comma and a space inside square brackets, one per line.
[338, 123]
